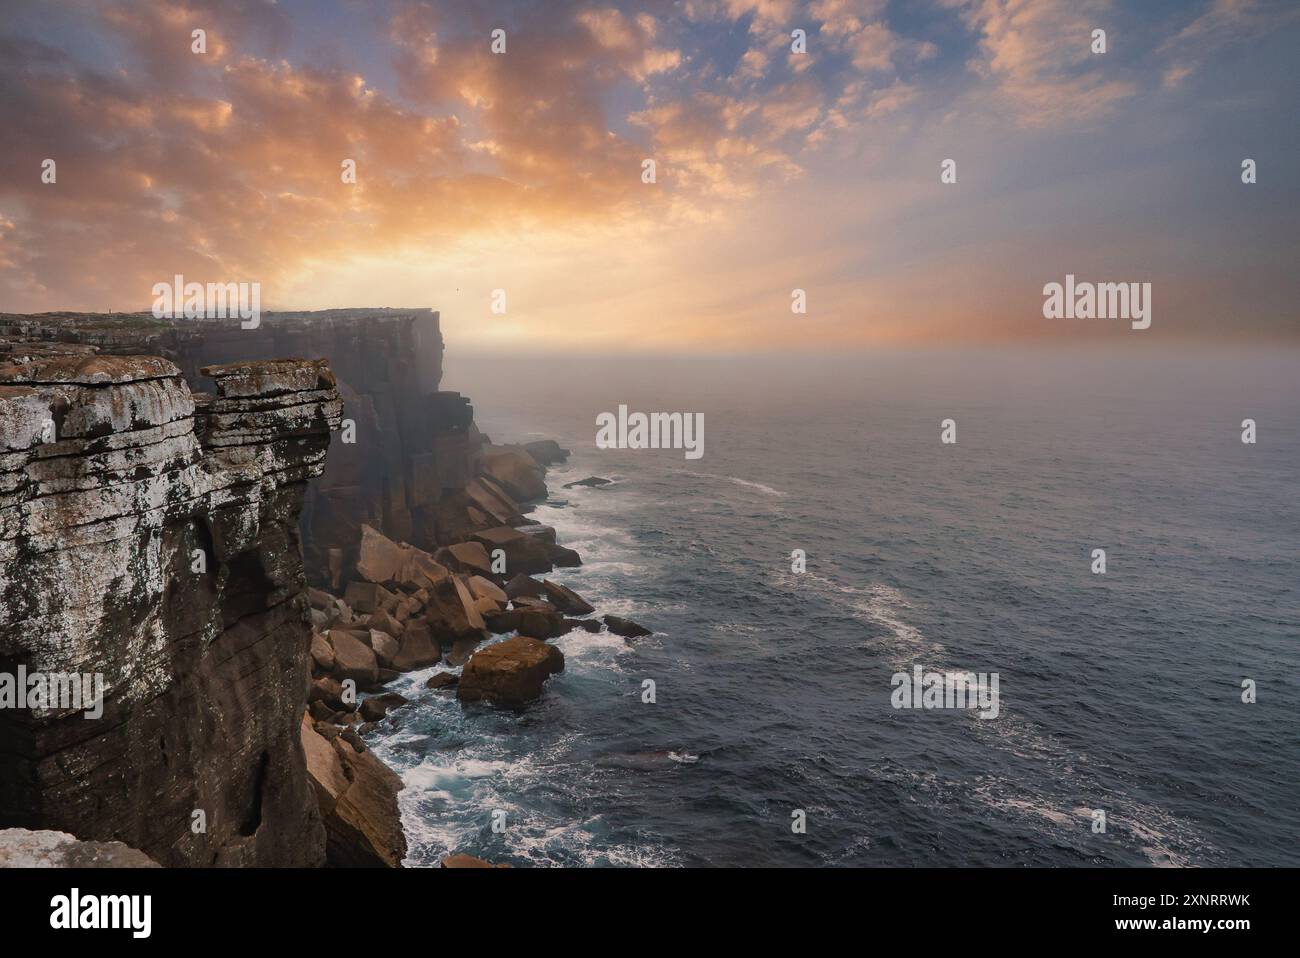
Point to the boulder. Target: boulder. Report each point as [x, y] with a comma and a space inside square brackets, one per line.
[566, 600]
[502, 621]
[467, 600]
[379, 558]
[375, 707]
[386, 622]
[468, 557]
[418, 649]
[357, 797]
[420, 571]
[563, 558]
[461, 651]
[461, 860]
[367, 596]
[485, 607]
[451, 617]
[524, 553]
[385, 646]
[442, 680]
[354, 659]
[330, 692]
[590, 625]
[482, 588]
[518, 473]
[523, 585]
[546, 451]
[322, 653]
[543, 624]
[510, 673]
[625, 627]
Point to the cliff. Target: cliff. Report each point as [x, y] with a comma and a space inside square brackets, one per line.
[149, 541]
[415, 466]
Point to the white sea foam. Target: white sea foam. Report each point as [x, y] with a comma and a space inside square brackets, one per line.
[749, 483]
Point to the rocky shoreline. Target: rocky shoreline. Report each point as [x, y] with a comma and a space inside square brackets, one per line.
[246, 584]
[404, 610]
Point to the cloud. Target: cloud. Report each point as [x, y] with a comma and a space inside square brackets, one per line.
[1037, 56]
[1221, 23]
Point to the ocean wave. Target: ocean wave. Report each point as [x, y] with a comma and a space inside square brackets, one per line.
[749, 483]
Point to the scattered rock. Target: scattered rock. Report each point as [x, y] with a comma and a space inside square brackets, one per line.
[563, 558]
[523, 585]
[367, 596]
[385, 647]
[524, 553]
[502, 621]
[461, 860]
[357, 796]
[322, 653]
[566, 600]
[461, 651]
[546, 451]
[467, 557]
[418, 649]
[510, 673]
[330, 692]
[589, 481]
[450, 612]
[375, 707]
[379, 558]
[625, 627]
[354, 660]
[482, 588]
[519, 474]
[385, 622]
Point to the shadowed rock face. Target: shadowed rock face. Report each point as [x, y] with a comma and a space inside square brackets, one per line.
[413, 471]
[150, 535]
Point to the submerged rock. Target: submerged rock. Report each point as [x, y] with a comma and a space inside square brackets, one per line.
[589, 481]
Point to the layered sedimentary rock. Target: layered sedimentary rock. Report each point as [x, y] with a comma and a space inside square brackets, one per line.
[149, 538]
[415, 468]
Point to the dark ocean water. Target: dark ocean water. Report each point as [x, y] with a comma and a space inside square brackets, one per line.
[1119, 692]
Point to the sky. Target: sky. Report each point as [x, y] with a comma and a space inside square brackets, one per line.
[775, 169]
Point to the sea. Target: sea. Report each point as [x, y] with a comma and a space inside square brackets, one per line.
[1149, 715]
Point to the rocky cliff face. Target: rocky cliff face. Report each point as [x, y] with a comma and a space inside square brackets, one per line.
[413, 469]
[149, 539]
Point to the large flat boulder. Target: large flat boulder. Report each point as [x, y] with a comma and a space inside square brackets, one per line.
[524, 553]
[467, 557]
[509, 673]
